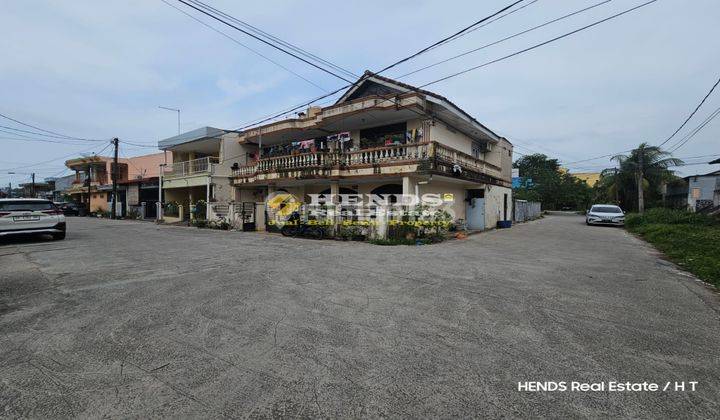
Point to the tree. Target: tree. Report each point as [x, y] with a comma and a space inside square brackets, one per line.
[550, 185]
[647, 168]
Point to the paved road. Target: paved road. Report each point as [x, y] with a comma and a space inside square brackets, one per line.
[133, 319]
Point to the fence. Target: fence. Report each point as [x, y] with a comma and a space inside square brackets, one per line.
[526, 210]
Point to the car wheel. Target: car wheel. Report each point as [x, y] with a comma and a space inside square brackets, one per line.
[58, 236]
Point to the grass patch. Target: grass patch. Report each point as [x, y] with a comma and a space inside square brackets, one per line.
[690, 240]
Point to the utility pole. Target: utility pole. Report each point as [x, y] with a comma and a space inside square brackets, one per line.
[174, 110]
[641, 197]
[33, 185]
[114, 177]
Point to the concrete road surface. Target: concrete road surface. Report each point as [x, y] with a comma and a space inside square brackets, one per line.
[130, 319]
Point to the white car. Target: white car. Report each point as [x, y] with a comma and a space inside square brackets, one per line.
[605, 214]
[22, 216]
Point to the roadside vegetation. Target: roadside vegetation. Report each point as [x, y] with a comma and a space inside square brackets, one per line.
[545, 181]
[636, 181]
[690, 240]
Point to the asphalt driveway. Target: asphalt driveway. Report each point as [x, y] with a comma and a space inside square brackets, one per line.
[130, 319]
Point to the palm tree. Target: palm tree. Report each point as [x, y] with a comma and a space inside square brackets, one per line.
[648, 165]
[610, 183]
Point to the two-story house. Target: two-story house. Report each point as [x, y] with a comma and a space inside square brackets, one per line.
[381, 137]
[137, 179]
[196, 179]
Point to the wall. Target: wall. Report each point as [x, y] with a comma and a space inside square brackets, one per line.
[706, 184]
[132, 195]
[99, 202]
[505, 149]
[494, 196]
[447, 136]
[526, 210]
[146, 166]
[231, 151]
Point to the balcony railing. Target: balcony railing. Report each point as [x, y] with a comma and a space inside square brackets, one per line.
[433, 156]
[190, 167]
[99, 179]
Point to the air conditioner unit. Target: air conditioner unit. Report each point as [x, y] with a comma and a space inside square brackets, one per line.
[481, 147]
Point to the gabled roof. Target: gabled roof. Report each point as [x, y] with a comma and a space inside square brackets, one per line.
[373, 84]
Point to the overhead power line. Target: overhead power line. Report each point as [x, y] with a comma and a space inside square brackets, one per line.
[56, 159]
[492, 20]
[53, 133]
[205, 12]
[692, 113]
[306, 103]
[235, 40]
[557, 38]
[274, 38]
[446, 39]
[683, 141]
[515, 35]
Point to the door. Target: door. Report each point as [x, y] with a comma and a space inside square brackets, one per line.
[475, 209]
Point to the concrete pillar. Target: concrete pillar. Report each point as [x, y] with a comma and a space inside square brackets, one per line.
[207, 200]
[408, 185]
[335, 191]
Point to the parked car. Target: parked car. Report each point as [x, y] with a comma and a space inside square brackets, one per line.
[605, 214]
[68, 209]
[20, 216]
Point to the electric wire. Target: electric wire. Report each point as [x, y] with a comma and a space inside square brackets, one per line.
[235, 40]
[263, 40]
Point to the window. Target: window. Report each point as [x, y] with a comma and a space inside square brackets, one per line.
[382, 136]
[29, 205]
[477, 149]
[696, 193]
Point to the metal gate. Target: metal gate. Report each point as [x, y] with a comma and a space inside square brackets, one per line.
[247, 215]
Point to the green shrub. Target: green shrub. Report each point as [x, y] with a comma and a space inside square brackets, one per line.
[199, 210]
[670, 217]
[172, 209]
[199, 223]
[690, 240]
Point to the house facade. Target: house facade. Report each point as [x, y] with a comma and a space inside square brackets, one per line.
[195, 184]
[381, 138]
[38, 189]
[694, 193]
[137, 179]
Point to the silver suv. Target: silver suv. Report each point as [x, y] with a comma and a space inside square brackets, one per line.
[20, 216]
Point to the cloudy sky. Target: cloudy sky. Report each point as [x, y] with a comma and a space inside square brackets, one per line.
[95, 70]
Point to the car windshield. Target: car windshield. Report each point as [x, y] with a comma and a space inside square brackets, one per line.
[606, 209]
[25, 205]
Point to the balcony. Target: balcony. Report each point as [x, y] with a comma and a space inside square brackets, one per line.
[427, 157]
[201, 166]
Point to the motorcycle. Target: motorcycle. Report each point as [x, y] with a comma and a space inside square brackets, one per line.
[294, 227]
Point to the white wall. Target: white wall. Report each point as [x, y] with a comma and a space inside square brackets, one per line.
[449, 137]
[494, 196]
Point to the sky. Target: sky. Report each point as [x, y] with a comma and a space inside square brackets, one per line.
[99, 70]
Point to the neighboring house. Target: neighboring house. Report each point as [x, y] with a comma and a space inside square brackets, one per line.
[716, 196]
[196, 174]
[137, 183]
[590, 178]
[38, 189]
[62, 184]
[695, 192]
[380, 137]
